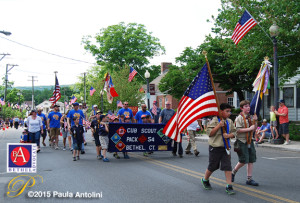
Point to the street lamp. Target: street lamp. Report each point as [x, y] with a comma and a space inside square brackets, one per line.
[19, 94]
[147, 76]
[5, 33]
[274, 31]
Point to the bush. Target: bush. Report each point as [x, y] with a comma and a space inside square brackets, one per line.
[294, 131]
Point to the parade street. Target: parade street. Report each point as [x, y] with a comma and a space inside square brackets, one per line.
[157, 178]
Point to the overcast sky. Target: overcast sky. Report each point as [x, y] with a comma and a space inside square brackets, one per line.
[57, 26]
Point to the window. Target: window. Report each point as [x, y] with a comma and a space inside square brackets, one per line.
[166, 99]
[288, 96]
[250, 96]
[160, 103]
[230, 101]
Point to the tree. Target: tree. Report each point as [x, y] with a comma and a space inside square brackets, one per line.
[121, 44]
[127, 91]
[255, 45]
[235, 67]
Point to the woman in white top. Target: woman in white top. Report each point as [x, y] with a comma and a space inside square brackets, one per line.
[35, 127]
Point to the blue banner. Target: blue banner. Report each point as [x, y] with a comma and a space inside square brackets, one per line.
[134, 137]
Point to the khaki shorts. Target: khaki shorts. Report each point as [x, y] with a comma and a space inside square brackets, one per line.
[54, 132]
[246, 155]
[104, 141]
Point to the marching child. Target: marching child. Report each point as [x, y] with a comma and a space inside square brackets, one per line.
[246, 153]
[103, 130]
[217, 151]
[77, 137]
[25, 137]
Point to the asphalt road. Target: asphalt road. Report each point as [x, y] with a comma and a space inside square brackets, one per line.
[158, 178]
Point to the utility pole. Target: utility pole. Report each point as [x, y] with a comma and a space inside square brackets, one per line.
[32, 79]
[3, 55]
[84, 74]
[6, 78]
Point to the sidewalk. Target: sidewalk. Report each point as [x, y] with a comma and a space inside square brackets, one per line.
[294, 146]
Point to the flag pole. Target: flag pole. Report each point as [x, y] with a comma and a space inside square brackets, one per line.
[213, 86]
[259, 26]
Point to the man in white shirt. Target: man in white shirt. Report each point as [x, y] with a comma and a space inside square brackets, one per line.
[191, 129]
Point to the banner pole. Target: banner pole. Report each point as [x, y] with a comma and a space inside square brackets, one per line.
[213, 85]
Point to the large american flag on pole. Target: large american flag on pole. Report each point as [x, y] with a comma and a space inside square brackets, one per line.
[56, 92]
[246, 23]
[198, 101]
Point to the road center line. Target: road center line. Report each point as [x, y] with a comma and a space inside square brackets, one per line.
[240, 188]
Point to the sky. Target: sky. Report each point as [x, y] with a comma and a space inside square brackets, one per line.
[58, 26]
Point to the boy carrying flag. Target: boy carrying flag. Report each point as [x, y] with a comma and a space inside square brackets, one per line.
[246, 153]
[217, 147]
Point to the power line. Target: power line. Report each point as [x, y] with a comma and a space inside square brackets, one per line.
[57, 55]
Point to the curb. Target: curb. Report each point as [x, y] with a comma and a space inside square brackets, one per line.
[278, 147]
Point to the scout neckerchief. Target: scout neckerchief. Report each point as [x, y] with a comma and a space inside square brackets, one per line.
[248, 138]
[227, 131]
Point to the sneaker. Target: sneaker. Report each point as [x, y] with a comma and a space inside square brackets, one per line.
[180, 156]
[145, 154]
[78, 158]
[85, 143]
[251, 182]
[71, 149]
[74, 158]
[196, 153]
[99, 157]
[188, 152]
[64, 148]
[174, 154]
[38, 150]
[206, 184]
[105, 160]
[232, 177]
[230, 190]
[56, 147]
[286, 143]
[126, 156]
[116, 156]
[82, 152]
[289, 141]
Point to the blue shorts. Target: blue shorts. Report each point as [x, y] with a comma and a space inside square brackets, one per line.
[267, 134]
[283, 128]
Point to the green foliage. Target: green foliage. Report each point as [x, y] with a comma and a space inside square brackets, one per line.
[235, 67]
[255, 45]
[121, 44]
[294, 131]
[127, 91]
[8, 112]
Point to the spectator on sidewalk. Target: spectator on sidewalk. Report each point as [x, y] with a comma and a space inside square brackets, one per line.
[273, 123]
[283, 113]
[263, 132]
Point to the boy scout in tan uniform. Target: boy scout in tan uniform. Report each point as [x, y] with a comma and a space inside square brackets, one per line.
[246, 151]
[217, 152]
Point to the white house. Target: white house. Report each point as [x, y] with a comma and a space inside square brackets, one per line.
[46, 106]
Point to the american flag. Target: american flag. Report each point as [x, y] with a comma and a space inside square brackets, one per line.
[119, 104]
[73, 99]
[86, 123]
[92, 91]
[56, 93]
[198, 101]
[132, 74]
[154, 109]
[66, 105]
[2, 102]
[244, 25]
